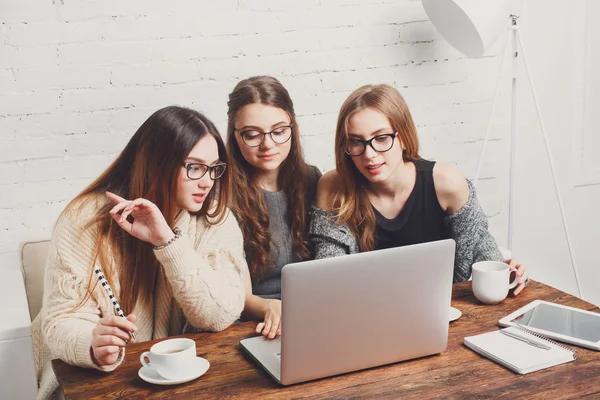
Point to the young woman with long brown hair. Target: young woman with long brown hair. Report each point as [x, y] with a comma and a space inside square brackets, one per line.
[274, 189]
[164, 239]
[382, 194]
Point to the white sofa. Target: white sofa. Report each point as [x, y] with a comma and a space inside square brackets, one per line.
[21, 300]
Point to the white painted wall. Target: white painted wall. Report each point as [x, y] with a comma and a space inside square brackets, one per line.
[77, 79]
[563, 48]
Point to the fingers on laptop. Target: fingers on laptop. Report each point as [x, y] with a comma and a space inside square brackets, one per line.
[269, 328]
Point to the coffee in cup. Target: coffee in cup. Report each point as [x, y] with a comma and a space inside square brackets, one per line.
[171, 358]
[491, 281]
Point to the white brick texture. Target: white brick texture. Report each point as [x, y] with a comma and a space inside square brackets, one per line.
[78, 78]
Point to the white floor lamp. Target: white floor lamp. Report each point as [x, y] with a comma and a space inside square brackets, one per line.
[471, 26]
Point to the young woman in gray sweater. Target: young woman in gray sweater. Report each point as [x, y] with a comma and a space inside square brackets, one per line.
[382, 194]
[274, 189]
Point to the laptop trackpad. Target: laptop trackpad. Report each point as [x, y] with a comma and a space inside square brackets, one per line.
[267, 352]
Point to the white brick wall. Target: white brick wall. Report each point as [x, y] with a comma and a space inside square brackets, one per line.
[77, 79]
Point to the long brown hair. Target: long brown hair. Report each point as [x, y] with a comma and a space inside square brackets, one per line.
[350, 201]
[247, 202]
[148, 167]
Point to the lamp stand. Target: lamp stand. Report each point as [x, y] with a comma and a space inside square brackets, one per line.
[513, 28]
[516, 42]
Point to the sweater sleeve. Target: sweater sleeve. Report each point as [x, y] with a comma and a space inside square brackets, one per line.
[329, 239]
[208, 283]
[469, 229]
[66, 324]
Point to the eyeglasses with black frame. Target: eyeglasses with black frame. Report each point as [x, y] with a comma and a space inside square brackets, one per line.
[379, 143]
[254, 138]
[196, 171]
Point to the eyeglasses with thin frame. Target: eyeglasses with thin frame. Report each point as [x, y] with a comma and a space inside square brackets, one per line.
[196, 171]
[379, 143]
[254, 138]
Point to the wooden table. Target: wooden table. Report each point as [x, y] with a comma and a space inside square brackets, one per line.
[457, 373]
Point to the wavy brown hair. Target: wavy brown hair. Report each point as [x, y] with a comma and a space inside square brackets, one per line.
[349, 197]
[148, 167]
[247, 200]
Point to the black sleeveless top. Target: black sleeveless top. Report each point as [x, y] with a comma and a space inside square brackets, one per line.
[421, 219]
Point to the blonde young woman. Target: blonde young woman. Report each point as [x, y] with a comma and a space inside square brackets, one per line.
[274, 189]
[382, 194]
[163, 237]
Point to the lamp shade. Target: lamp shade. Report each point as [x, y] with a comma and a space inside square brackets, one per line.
[470, 26]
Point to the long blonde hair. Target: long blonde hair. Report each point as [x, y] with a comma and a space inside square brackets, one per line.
[247, 200]
[350, 201]
[148, 167]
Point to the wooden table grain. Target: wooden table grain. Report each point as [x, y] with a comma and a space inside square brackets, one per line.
[457, 373]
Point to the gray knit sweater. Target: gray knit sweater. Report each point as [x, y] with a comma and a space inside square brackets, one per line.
[468, 227]
[281, 250]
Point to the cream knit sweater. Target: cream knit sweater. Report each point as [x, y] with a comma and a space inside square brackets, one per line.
[201, 281]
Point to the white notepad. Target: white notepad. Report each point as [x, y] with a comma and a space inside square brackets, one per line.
[522, 355]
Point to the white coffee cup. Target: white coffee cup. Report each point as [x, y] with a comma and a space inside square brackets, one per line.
[490, 281]
[171, 358]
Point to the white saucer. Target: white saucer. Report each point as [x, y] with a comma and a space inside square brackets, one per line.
[454, 314]
[198, 369]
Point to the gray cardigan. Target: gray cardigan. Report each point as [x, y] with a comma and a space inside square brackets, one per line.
[468, 227]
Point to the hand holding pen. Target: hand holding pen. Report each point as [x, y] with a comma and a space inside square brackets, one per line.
[108, 337]
[111, 333]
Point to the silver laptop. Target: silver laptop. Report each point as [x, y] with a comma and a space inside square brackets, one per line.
[359, 311]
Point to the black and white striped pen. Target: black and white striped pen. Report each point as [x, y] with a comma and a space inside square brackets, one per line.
[111, 296]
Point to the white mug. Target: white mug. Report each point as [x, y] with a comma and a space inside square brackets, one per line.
[171, 358]
[490, 281]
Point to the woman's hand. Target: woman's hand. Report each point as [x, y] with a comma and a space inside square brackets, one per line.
[520, 270]
[271, 326]
[108, 337]
[148, 223]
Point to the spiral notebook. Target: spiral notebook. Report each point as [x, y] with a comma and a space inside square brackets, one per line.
[520, 349]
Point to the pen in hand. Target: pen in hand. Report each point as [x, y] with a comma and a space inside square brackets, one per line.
[112, 297]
